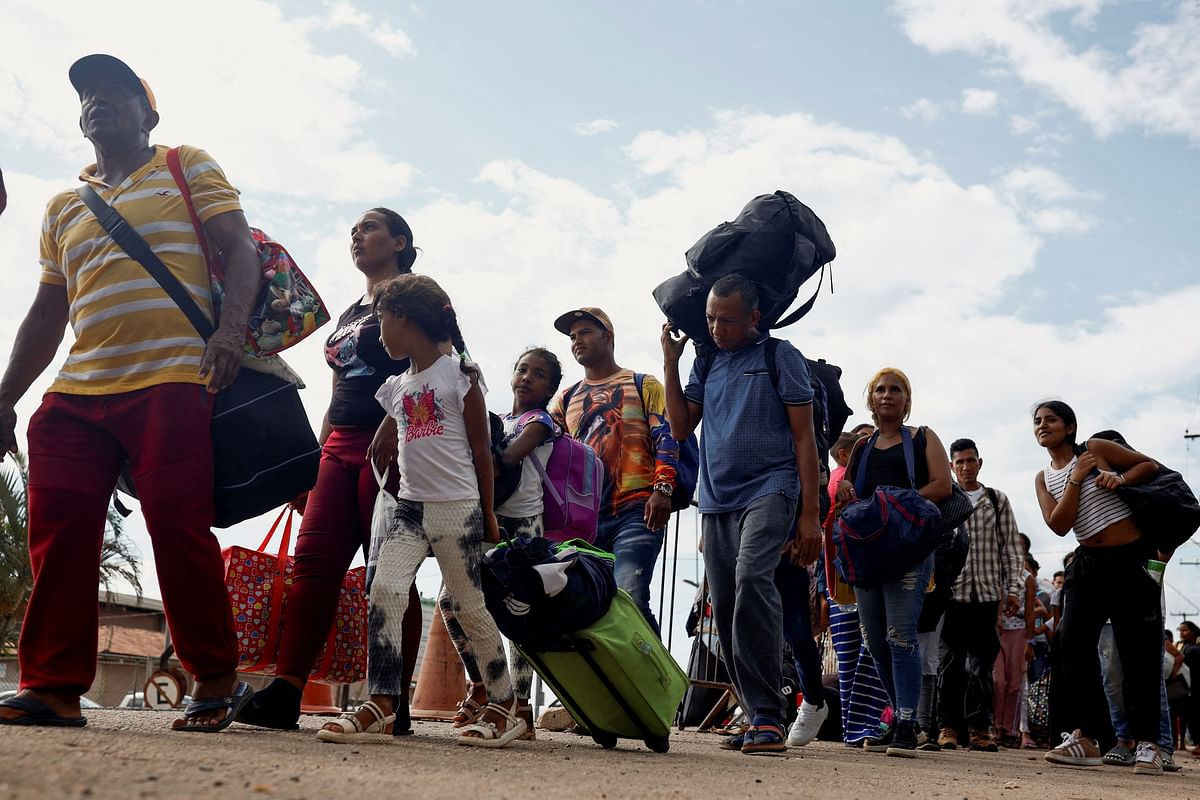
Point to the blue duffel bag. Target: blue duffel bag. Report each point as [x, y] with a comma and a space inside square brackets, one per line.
[881, 537]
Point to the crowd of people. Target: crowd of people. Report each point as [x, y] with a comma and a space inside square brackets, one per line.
[930, 658]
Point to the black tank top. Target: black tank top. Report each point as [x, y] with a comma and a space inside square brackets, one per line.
[887, 467]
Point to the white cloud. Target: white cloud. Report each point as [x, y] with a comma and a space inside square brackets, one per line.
[1046, 200]
[1022, 125]
[294, 125]
[381, 32]
[923, 109]
[592, 127]
[1154, 85]
[979, 101]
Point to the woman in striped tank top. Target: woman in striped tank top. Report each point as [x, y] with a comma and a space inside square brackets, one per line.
[1107, 579]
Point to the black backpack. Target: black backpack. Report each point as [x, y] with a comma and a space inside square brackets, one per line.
[1164, 507]
[777, 242]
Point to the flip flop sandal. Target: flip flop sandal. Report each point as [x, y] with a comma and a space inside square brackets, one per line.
[1120, 756]
[38, 713]
[764, 740]
[352, 730]
[489, 734]
[232, 705]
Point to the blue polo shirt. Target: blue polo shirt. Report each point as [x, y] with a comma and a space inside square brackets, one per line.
[746, 449]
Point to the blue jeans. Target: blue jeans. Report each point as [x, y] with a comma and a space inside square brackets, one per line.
[1114, 678]
[636, 547]
[888, 614]
[741, 552]
[792, 583]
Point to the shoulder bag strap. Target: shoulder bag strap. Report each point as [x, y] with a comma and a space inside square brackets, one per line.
[910, 460]
[566, 403]
[860, 476]
[176, 168]
[136, 247]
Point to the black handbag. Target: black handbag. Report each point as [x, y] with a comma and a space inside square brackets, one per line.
[1164, 508]
[955, 508]
[264, 449]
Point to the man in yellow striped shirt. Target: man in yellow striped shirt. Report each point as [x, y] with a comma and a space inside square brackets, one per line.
[137, 387]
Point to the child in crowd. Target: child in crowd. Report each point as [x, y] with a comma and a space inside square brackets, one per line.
[528, 431]
[445, 506]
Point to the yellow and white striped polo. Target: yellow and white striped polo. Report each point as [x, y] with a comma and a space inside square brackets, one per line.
[128, 333]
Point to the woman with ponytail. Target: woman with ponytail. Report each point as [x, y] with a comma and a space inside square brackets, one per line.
[337, 511]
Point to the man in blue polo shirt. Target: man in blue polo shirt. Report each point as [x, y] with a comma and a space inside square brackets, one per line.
[758, 459]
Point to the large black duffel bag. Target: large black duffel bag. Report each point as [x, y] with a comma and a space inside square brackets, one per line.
[776, 241]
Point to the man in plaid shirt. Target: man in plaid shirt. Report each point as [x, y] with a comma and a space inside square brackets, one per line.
[990, 579]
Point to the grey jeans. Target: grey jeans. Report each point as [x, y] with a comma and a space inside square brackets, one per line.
[741, 551]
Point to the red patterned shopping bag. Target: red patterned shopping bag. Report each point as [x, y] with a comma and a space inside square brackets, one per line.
[258, 582]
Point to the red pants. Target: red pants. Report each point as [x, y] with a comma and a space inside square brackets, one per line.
[77, 445]
[337, 521]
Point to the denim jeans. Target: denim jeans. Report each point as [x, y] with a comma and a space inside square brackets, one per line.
[741, 552]
[792, 583]
[888, 614]
[1114, 677]
[636, 547]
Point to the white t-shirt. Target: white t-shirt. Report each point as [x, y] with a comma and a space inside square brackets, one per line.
[434, 455]
[976, 494]
[526, 501]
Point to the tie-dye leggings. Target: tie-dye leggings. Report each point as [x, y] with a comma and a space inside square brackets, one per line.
[522, 673]
[454, 532]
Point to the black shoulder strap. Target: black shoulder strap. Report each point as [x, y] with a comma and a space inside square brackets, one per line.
[639, 379]
[136, 247]
[566, 404]
[769, 349]
[991, 493]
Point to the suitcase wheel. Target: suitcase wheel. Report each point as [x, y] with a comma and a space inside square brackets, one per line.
[659, 744]
[606, 740]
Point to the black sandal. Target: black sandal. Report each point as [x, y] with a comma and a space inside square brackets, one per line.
[277, 707]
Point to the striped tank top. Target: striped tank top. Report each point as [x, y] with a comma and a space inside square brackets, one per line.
[1098, 508]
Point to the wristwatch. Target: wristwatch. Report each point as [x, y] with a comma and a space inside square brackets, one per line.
[662, 487]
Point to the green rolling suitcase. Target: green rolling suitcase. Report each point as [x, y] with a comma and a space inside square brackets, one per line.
[615, 677]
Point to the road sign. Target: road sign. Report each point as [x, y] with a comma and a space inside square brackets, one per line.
[164, 690]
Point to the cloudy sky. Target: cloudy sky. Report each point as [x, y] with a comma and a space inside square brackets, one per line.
[1010, 184]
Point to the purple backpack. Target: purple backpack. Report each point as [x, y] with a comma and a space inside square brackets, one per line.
[572, 484]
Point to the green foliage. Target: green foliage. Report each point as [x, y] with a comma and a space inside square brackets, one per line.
[119, 559]
[16, 576]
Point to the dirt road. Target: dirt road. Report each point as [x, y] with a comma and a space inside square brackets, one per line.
[132, 754]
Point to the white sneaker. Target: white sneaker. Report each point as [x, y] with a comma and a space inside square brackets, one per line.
[1148, 760]
[1077, 750]
[809, 720]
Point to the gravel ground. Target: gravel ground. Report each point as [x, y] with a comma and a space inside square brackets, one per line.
[133, 754]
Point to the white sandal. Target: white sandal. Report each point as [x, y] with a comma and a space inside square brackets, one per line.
[489, 734]
[468, 708]
[353, 731]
